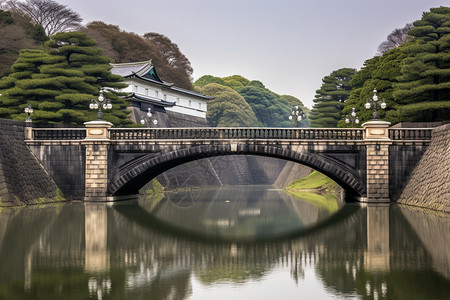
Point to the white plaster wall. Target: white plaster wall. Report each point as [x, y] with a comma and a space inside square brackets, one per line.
[185, 103]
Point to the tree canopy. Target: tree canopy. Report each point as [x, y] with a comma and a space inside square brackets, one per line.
[395, 39]
[423, 90]
[180, 66]
[60, 82]
[228, 108]
[122, 47]
[380, 72]
[330, 98]
[270, 109]
[413, 78]
[17, 32]
[49, 14]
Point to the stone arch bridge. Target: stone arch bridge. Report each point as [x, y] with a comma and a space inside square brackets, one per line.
[99, 163]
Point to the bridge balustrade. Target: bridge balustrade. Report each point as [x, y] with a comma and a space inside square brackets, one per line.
[235, 133]
[410, 133]
[396, 134]
[59, 133]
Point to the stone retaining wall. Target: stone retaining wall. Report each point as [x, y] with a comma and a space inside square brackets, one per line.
[222, 171]
[429, 184]
[66, 164]
[22, 178]
[292, 171]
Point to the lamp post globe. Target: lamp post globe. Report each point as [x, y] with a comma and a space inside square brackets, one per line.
[28, 110]
[151, 118]
[296, 115]
[353, 118]
[374, 103]
[99, 103]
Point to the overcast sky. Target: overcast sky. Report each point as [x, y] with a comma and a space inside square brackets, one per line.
[289, 45]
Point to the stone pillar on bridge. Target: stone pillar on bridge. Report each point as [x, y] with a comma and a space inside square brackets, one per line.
[376, 139]
[96, 177]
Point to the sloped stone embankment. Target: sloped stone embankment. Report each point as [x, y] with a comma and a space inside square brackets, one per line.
[429, 184]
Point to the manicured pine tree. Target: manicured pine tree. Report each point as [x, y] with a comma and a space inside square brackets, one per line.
[423, 91]
[379, 72]
[79, 78]
[15, 91]
[61, 88]
[358, 94]
[330, 98]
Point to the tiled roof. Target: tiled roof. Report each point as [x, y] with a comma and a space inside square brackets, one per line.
[144, 70]
[128, 69]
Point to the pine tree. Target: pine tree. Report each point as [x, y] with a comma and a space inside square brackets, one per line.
[423, 91]
[330, 98]
[379, 72]
[69, 74]
[15, 94]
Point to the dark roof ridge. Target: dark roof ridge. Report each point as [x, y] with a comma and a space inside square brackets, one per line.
[162, 103]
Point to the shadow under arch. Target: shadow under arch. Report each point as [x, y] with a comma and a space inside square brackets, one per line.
[144, 218]
[133, 175]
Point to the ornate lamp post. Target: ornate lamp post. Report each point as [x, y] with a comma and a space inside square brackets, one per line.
[374, 102]
[29, 111]
[352, 118]
[149, 115]
[297, 115]
[99, 103]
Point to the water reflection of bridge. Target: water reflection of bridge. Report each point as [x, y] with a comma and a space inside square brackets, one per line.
[356, 253]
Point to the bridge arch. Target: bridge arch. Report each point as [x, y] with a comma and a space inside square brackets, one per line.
[132, 176]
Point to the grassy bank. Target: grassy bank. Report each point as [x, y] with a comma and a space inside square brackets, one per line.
[317, 189]
[315, 181]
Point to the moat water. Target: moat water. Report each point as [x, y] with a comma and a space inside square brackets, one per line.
[241, 242]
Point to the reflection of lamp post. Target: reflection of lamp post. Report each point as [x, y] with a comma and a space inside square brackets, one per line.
[297, 115]
[374, 102]
[99, 103]
[149, 115]
[353, 118]
[29, 111]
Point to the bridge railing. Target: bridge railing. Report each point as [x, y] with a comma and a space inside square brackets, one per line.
[410, 133]
[236, 133]
[396, 134]
[59, 133]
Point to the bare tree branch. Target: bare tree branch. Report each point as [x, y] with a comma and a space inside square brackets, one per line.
[52, 16]
[396, 38]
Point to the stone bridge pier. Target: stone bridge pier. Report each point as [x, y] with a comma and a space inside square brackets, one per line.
[377, 143]
[96, 174]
